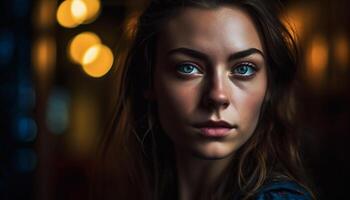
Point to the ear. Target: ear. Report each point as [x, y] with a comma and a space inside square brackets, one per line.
[149, 95]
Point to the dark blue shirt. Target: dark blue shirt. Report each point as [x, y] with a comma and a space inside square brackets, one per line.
[283, 190]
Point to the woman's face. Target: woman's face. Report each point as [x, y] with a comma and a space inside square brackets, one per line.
[210, 80]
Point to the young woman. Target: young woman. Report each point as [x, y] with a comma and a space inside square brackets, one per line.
[205, 107]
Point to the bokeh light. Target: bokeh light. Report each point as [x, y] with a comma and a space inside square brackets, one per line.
[45, 14]
[93, 9]
[72, 13]
[317, 58]
[7, 46]
[83, 132]
[80, 44]
[97, 60]
[65, 17]
[57, 115]
[25, 160]
[294, 22]
[299, 19]
[44, 54]
[79, 10]
[26, 96]
[26, 129]
[342, 50]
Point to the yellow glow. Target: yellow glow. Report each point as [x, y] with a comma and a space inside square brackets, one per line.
[91, 54]
[45, 14]
[78, 10]
[84, 123]
[44, 60]
[44, 54]
[97, 60]
[93, 9]
[65, 16]
[80, 44]
[294, 22]
[342, 50]
[299, 18]
[72, 13]
[317, 58]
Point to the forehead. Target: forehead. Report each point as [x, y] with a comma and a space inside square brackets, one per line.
[220, 29]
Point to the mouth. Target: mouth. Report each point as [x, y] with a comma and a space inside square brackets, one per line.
[215, 129]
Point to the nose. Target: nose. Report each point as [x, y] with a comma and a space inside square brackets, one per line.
[216, 92]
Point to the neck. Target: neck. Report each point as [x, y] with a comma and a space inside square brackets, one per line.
[196, 175]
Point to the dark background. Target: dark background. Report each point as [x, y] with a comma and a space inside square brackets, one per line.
[53, 114]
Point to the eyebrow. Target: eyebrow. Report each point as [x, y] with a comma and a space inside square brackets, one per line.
[202, 56]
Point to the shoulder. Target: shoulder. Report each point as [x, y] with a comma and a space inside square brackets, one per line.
[283, 190]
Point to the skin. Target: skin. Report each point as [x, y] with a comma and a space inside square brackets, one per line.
[195, 81]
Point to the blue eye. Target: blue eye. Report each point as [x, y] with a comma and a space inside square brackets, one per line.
[187, 68]
[244, 70]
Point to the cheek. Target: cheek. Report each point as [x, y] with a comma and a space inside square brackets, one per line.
[175, 101]
[249, 107]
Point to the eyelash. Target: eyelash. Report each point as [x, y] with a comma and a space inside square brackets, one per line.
[194, 66]
[248, 65]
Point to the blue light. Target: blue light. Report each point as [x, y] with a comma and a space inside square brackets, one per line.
[26, 96]
[25, 160]
[26, 129]
[7, 46]
[58, 112]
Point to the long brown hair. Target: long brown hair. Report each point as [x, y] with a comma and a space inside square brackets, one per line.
[137, 158]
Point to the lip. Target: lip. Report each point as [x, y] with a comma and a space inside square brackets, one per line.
[214, 129]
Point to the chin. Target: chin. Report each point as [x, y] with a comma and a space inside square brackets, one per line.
[214, 151]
